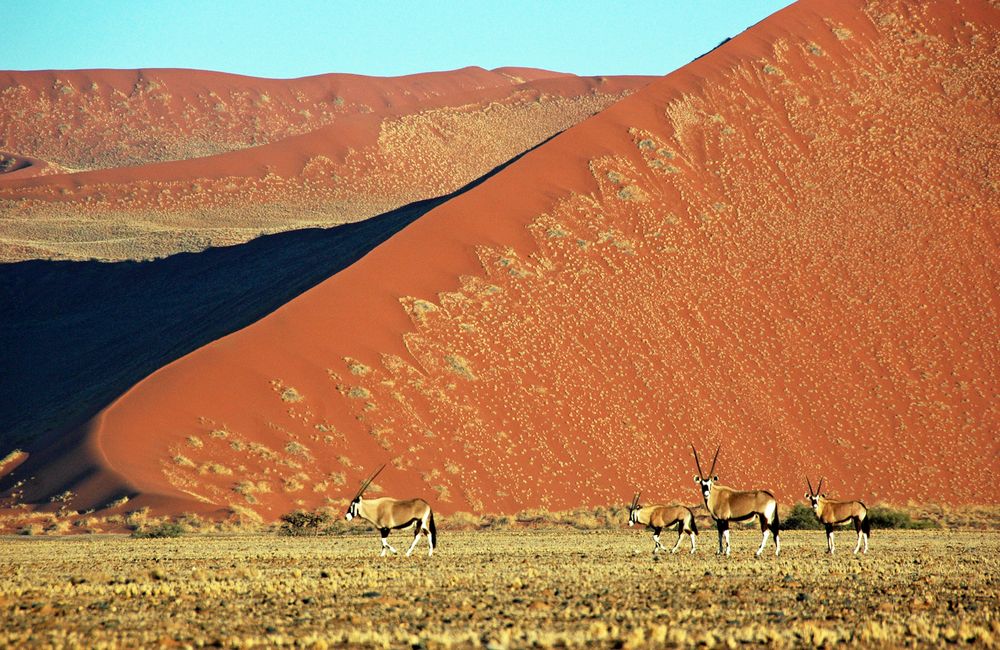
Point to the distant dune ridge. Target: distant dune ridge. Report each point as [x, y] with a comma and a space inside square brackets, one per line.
[137, 164]
[787, 247]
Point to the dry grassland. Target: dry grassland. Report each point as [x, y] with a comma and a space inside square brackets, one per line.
[497, 588]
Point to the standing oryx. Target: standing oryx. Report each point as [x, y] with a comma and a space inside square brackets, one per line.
[656, 518]
[726, 504]
[830, 513]
[389, 514]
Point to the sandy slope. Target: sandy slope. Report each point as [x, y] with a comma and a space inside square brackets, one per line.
[164, 161]
[788, 247]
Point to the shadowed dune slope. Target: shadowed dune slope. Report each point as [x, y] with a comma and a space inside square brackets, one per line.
[76, 335]
[787, 247]
[145, 163]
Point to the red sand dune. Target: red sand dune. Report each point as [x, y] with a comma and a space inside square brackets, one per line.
[97, 119]
[787, 247]
[164, 159]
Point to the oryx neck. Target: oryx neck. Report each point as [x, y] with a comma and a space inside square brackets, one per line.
[366, 509]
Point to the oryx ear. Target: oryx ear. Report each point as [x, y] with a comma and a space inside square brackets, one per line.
[715, 478]
[807, 495]
[823, 495]
[697, 479]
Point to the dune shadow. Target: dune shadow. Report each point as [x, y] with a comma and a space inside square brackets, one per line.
[75, 335]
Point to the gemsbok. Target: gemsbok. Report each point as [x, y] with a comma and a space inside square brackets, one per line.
[656, 518]
[830, 513]
[392, 514]
[726, 505]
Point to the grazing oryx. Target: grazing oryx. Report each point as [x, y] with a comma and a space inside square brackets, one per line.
[656, 518]
[830, 513]
[726, 504]
[390, 514]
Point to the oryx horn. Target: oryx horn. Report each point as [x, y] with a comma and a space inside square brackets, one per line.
[711, 472]
[696, 462]
[809, 483]
[367, 482]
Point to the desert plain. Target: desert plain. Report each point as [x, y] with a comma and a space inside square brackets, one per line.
[498, 588]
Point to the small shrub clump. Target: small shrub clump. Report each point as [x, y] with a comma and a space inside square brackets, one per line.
[301, 522]
[800, 517]
[166, 529]
[884, 517]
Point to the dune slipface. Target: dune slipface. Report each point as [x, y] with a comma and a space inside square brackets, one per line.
[787, 247]
[145, 163]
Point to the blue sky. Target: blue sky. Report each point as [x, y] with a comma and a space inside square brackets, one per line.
[293, 39]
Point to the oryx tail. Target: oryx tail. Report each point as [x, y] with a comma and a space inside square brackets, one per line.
[432, 538]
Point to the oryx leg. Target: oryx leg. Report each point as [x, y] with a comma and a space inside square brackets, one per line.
[723, 527]
[693, 535]
[765, 531]
[386, 547]
[656, 540]
[857, 529]
[430, 545]
[680, 536]
[769, 525]
[830, 546]
[417, 529]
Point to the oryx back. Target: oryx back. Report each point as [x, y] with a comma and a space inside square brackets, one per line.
[738, 505]
[837, 512]
[396, 513]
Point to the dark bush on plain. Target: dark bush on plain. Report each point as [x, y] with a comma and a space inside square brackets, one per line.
[168, 529]
[883, 517]
[301, 522]
[800, 517]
